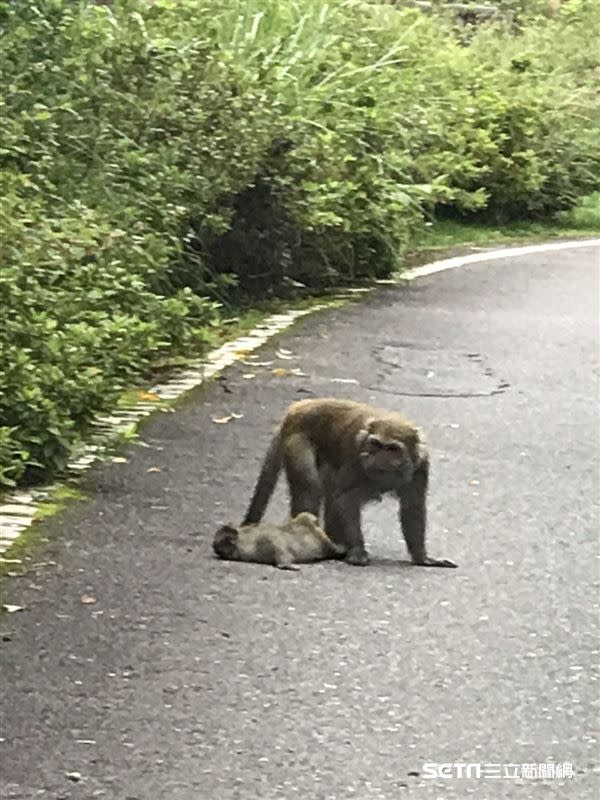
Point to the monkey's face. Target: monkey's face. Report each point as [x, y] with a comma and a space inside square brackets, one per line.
[387, 452]
[225, 543]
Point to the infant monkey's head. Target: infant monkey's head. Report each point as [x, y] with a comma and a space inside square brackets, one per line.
[225, 543]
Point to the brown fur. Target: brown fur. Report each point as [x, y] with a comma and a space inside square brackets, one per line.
[298, 541]
[345, 454]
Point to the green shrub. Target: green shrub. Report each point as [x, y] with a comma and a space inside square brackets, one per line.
[545, 115]
[159, 158]
[78, 322]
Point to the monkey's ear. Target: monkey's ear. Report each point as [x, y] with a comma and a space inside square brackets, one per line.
[228, 530]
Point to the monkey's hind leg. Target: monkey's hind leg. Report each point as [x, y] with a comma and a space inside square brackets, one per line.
[268, 552]
[284, 560]
[302, 476]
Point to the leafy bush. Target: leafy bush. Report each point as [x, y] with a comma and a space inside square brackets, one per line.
[79, 320]
[545, 115]
[160, 158]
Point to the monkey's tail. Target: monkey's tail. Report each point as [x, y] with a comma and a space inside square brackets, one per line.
[267, 480]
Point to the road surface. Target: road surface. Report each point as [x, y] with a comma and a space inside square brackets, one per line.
[195, 679]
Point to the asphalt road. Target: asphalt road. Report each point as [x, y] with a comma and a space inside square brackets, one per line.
[195, 679]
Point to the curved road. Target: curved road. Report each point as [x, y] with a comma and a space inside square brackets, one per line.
[195, 679]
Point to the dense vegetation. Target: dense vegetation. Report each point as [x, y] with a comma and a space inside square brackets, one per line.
[158, 159]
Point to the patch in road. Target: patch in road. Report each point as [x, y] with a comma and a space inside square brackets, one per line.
[409, 369]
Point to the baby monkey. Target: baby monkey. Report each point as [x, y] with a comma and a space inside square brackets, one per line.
[298, 541]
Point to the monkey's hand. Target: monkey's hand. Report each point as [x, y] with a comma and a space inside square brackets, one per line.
[435, 562]
[358, 557]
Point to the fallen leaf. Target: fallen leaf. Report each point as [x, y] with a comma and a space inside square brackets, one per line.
[473, 483]
[149, 397]
[154, 469]
[284, 354]
[236, 416]
[344, 380]
[73, 776]
[10, 561]
[243, 351]
[280, 372]
[119, 460]
[88, 599]
[11, 609]
[222, 420]
[247, 376]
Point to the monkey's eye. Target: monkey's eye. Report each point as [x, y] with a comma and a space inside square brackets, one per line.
[375, 443]
[394, 446]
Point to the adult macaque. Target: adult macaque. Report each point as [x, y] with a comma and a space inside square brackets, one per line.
[347, 454]
[298, 541]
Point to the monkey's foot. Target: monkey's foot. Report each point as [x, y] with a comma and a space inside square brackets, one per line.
[290, 567]
[436, 562]
[358, 557]
[337, 551]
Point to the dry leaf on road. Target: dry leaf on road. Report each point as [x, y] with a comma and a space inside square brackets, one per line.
[228, 418]
[148, 397]
[88, 599]
[280, 372]
[11, 609]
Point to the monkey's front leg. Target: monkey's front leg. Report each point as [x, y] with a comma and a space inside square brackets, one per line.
[413, 519]
[342, 525]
